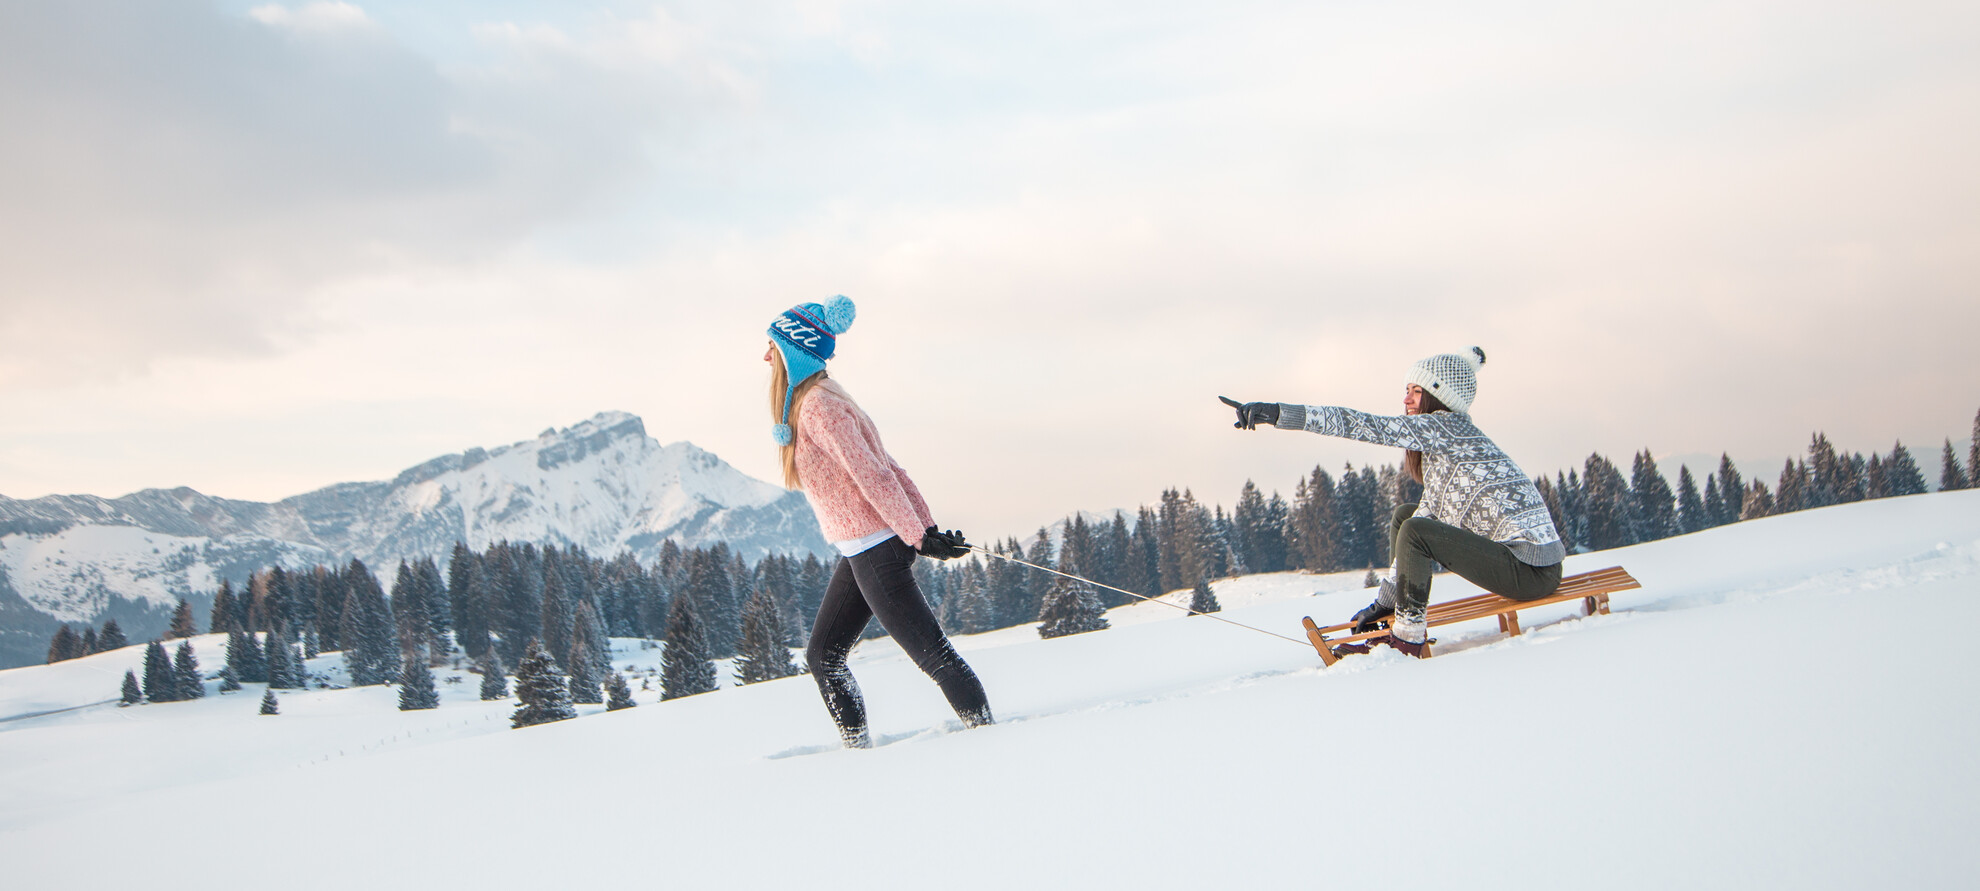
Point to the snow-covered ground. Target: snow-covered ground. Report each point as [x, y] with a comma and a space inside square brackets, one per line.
[1787, 703]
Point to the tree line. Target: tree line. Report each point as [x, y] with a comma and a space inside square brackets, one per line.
[549, 610]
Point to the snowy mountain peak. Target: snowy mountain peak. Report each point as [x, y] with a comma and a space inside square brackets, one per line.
[602, 484]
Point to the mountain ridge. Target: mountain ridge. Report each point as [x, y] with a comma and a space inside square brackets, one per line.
[602, 484]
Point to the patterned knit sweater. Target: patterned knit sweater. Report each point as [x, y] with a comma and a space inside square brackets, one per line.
[1468, 481]
[854, 486]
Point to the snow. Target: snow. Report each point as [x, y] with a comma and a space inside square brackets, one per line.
[1785, 703]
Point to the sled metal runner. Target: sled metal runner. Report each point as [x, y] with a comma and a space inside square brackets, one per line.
[1591, 588]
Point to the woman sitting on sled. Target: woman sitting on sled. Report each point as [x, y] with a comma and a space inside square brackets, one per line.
[1480, 516]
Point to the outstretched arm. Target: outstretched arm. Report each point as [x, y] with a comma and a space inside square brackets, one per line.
[1418, 432]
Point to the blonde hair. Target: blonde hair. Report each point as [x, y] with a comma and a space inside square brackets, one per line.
[779, 383]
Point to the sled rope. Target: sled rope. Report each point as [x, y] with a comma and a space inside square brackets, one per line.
[989, 553]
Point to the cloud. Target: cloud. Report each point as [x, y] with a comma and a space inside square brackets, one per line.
[182, 182]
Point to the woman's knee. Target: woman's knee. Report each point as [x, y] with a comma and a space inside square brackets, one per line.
[1415, 530]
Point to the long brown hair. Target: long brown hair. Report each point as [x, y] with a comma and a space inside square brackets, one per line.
[779, 383]
[1413, 459]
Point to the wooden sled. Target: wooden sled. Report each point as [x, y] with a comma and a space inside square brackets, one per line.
[1591, 588]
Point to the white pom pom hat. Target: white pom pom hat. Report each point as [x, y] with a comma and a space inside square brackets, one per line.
[1451, 377]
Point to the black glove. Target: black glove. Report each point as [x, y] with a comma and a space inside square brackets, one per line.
[1370, 618]
[1252, 414]
[942, 545]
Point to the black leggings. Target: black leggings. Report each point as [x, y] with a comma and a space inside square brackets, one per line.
[879, 582]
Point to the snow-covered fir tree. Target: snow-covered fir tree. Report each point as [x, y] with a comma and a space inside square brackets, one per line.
[416, 690]
[686, 668]
[763, 655]
[619, 693]
[371, 651]
[493, 685]
[283, 672]
[1203, 600]
[185, 666]
[132, 693]
[269, 704]
[1070, 608]
[228, 681]
[542, 693]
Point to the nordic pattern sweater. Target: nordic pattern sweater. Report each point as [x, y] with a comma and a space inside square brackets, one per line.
[1468, 481]
[854, 486]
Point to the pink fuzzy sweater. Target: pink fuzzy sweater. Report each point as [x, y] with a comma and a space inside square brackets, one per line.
[854, 486]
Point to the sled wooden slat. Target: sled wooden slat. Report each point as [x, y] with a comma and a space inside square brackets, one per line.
[1591, 588]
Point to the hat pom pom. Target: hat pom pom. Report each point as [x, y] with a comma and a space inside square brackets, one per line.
[782, 434]
[1477, 354]
[839, 314]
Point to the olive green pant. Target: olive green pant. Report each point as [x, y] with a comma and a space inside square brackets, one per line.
[1417, 542]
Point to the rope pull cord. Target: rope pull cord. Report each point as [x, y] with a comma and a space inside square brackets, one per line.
[989, 553]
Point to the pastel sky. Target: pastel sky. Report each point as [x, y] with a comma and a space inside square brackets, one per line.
[258, 248]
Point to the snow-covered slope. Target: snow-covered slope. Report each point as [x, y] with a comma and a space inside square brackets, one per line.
[602, 484]
[1786, 703]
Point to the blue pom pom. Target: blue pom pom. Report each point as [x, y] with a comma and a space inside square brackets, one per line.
[782, 434]
[839, 314]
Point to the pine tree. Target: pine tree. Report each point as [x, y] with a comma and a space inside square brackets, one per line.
[1070, 608]
[283, 672]
[1656, 508]
[468, 598]
[182, 621]
[1876, 483]
[1203, 600]
[112, 637]
[1819, 488]
[1973, 454]
[133, 694]
[416, 690]
[1951, 475]
[1732, 489]
[89, 645]
[542, 694]
[222, 619]
[1758, 503]
[244, 658]
[619, 693]
[764, 655]
[1551, 497]
[185, 667]
[686, 668]
[584, 682]
[439, 606]
[269, 704]
[160, 683]
[1691, 513]
[1792, 486]
[493, 685]
[370, 639]
[1607, 500]
[63, 646]
[1901, 473]
[1715, 505]
[228, 681]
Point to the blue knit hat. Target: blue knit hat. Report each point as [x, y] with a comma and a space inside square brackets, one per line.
[807, 335]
